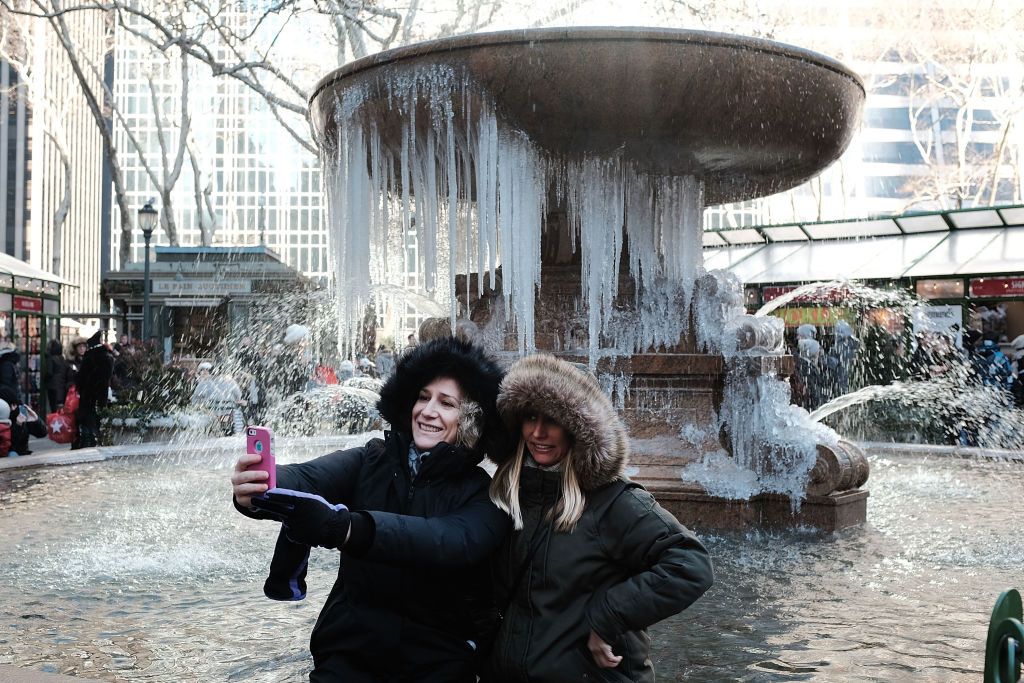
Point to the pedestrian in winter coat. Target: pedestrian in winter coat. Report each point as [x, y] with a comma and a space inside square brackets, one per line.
[991, 364]
[594, 560]
[808, 382]
[5, 429]
[57, 380]
[93, 388]
[413, 522]
[24, 422]
[75, 355]
[10, 375]
[385, 362]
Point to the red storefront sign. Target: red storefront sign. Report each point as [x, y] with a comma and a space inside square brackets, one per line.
[828, 295]
[27, 304]
[774, 292]
[997, 286]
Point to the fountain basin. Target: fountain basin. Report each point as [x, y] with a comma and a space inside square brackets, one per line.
[145, 572]
[672, 102]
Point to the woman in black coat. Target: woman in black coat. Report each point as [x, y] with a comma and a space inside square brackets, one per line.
[412, 520]
[93, 384]
[57, 378]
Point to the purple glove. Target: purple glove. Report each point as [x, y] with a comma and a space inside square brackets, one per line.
[307, 518]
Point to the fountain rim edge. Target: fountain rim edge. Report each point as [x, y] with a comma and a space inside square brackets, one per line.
[468, 41]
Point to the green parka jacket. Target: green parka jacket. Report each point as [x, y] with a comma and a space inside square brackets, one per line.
[626, 565]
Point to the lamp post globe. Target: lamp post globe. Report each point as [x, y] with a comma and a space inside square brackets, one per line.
[147, 222]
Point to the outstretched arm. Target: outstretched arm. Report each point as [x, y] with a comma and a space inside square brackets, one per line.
[465, 536]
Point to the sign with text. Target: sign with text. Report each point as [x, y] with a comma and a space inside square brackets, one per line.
[948, 320]
[814, 315]
[997, 286]
[28, 304]
[202, 287]
[821, 293]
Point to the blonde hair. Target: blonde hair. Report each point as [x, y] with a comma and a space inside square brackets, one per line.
[505, 491]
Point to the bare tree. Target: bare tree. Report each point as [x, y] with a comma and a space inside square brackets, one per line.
[251, 49]
[965, 93]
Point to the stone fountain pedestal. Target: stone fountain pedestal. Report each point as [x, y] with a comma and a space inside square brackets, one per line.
[665, 391]
[829, 511]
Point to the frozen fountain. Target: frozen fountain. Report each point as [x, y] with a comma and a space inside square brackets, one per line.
[555, 182]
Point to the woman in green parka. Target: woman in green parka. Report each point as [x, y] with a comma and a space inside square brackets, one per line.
[594, 560]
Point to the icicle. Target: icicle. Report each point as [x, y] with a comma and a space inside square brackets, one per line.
[452, 171]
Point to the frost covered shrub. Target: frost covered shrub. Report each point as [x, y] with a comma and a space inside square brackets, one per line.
[332, 409]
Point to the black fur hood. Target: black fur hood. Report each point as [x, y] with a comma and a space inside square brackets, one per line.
[544, 384]
[476, 373]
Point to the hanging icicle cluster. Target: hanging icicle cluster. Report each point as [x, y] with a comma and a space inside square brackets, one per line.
[465, 193]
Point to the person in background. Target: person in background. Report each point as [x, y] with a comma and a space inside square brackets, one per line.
[806, 331]
[808, 380]
[221, 395]
[346, 370]
[410, 344]
[10, 375]
[58, 378]
[385, 362]
[93, 390]
[25, 422]
[840, 360]
[293, 363]
[594, 559]
[252, 362]
[1017, 388]
[5, 430]
[76, 351]
[122, 343]
[992, 365]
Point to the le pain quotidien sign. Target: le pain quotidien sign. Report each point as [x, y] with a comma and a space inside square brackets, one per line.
[983, 287]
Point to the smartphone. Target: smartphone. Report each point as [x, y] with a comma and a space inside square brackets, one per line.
[260, 441]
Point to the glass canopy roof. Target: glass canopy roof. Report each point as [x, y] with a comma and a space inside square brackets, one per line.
[964, 242]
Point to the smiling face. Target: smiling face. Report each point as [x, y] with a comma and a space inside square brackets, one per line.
[547, 441]
[435, 415]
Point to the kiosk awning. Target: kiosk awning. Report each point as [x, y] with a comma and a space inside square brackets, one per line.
[956, 252]
[17, 267]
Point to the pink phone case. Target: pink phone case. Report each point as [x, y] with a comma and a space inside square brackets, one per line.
[260, 440]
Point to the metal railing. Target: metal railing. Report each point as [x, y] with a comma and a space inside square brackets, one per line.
[1004, 648]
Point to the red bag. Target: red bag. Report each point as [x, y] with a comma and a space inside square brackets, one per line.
[61, 426]
[70, 402]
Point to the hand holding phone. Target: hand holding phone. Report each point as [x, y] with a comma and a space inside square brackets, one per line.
[260, 441]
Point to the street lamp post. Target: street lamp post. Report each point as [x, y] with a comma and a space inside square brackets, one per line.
[147, 221]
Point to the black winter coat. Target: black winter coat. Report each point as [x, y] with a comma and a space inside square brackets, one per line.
[9, 371]
[93, 379]
[422, 589]
[627, 565]
[59, 379]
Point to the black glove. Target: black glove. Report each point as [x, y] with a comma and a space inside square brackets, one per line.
[307, 518]
[287, 579]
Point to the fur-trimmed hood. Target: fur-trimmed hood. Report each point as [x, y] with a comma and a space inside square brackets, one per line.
[544, 384]
[476, 373]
